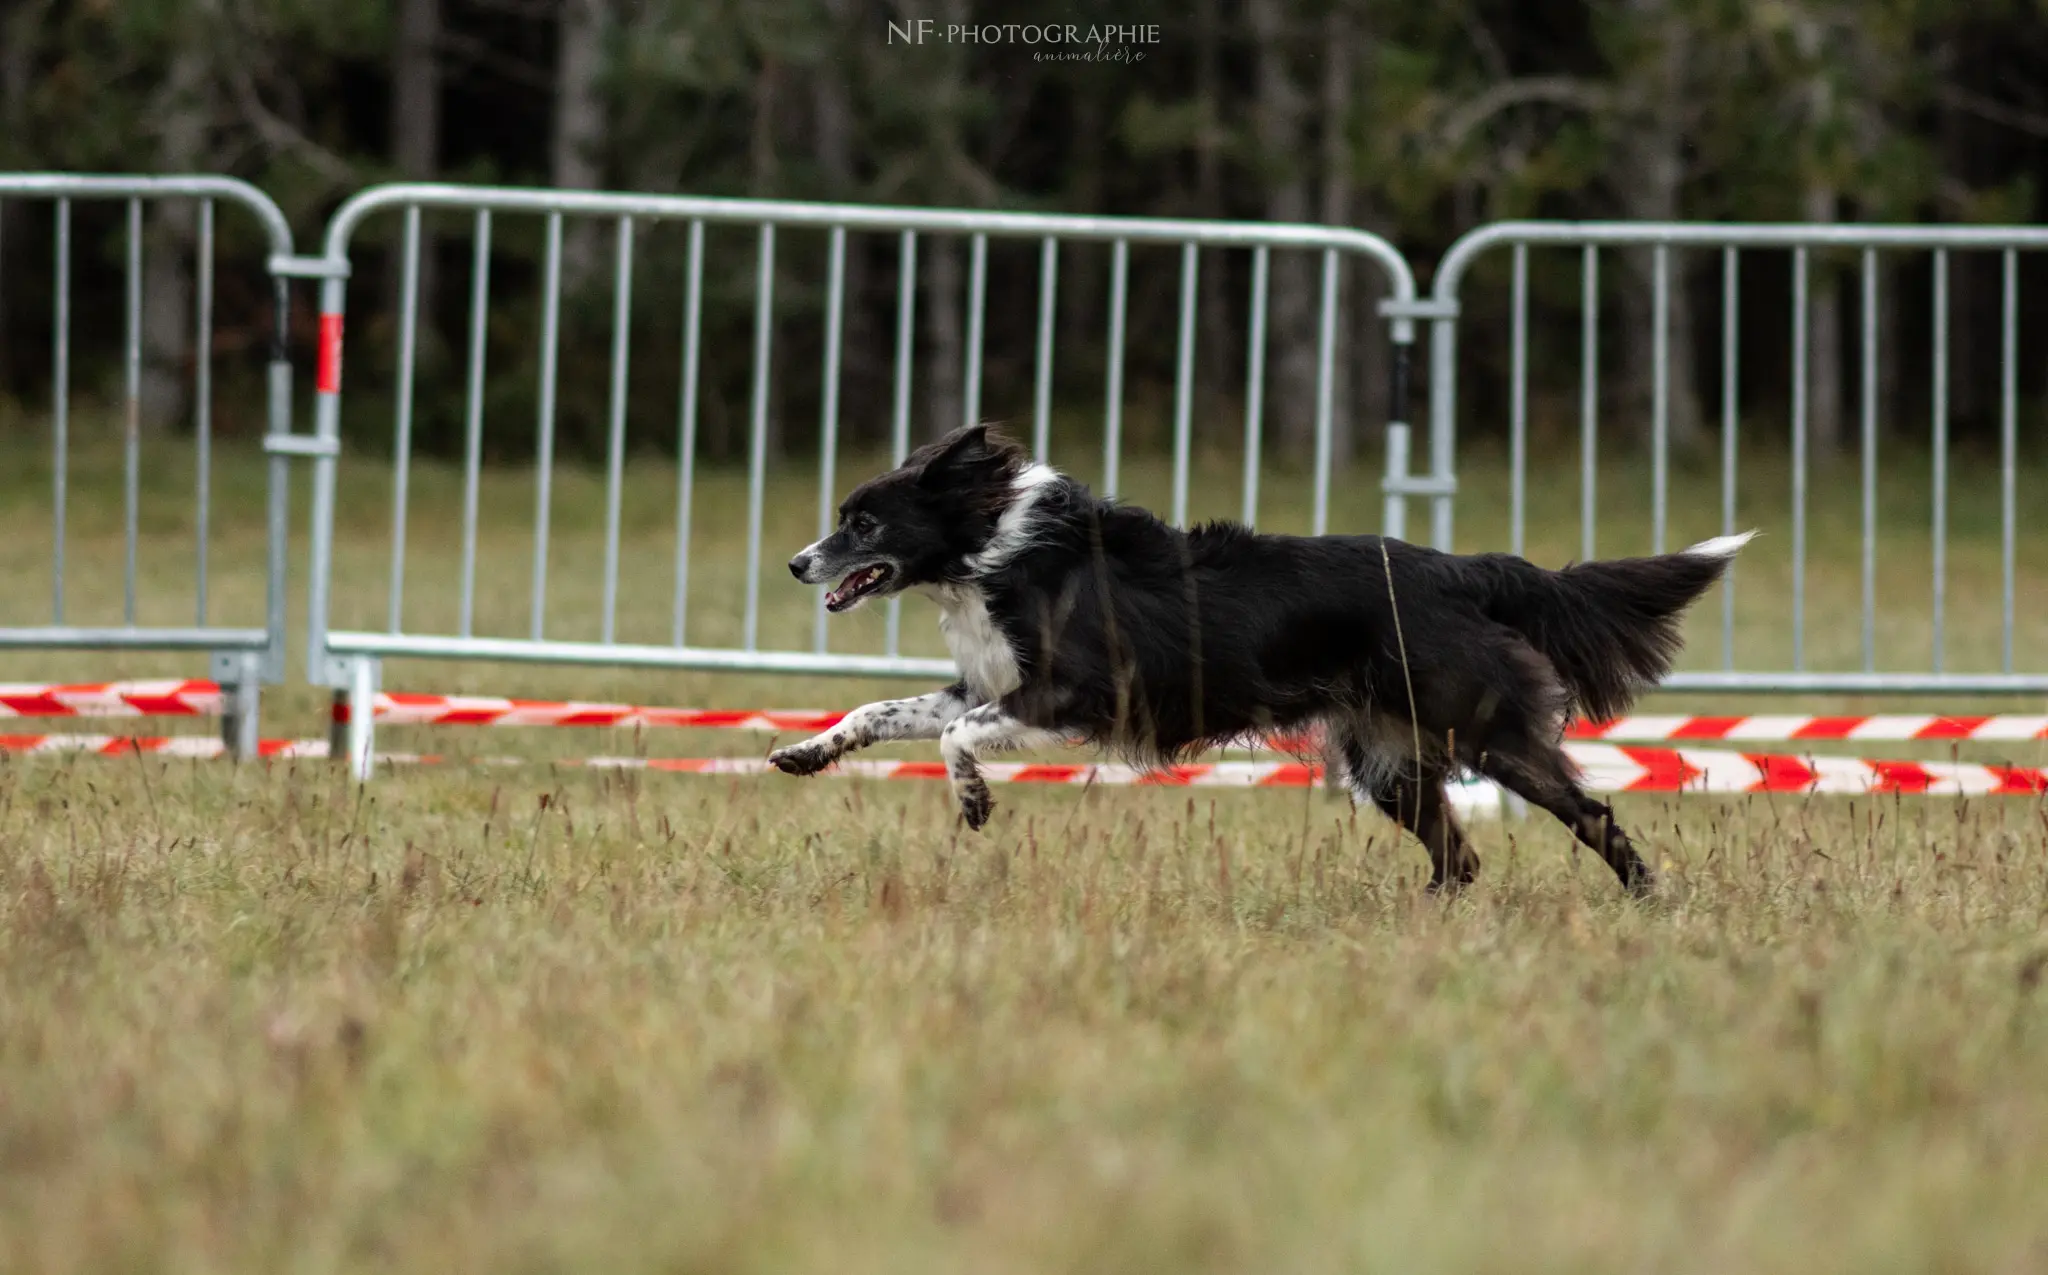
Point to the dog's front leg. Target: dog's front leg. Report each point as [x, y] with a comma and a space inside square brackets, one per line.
[920, 717]
[990, 728]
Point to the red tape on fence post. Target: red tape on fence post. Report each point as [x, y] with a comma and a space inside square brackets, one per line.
[327, 376]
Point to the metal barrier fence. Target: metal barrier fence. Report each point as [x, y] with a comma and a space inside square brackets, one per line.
[242, 657]
[1802, 241]
[349, 659]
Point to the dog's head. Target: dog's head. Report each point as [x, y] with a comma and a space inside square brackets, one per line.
[921, 523]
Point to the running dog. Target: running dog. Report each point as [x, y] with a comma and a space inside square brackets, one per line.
[1074, 619]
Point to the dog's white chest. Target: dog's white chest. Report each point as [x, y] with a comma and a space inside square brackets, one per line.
[986, 662]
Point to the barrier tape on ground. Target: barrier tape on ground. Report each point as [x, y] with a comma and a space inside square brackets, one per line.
[201, 746]
[396, 708]
[1621, 768]
[1606, 768]
[194, 697]
[1888, 728]
[171, 697]
[400, 709]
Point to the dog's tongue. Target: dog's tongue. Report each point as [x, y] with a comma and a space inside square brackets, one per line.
[848, 587]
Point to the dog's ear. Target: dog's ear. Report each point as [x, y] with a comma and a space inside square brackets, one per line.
[962, 447]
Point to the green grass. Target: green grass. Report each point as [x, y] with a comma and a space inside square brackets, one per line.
[254, 1022]
[254, 1018]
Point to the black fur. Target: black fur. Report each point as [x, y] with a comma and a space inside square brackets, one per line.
[1157, 643]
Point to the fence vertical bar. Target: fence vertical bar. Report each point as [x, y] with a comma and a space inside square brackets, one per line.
[1326, 369]
[1184, 384]
[131, 432]
[1443, 413]
[2008, 453]
[401, 460]
[473, 412]
[615, 441]
[551, 314]
[1660, 397]
[977, 308]
[1731, 355]
[1799, 423]
[1443, 460]
[1041, 397]
[202, 401]
[1869, 460]
[828, 412]
[686, 427]
[60, 402]
[1940, 406]
[1255, 385]
[757, 433]
[277, 517]
[321, 665]
[1518, 403]
[899, 427]
[1113, 423]
[1589, 394]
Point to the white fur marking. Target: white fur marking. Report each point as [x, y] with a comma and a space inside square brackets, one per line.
[984, 730]
[919, 717]
[1723, 547]
[979, 649]
[1013, 531]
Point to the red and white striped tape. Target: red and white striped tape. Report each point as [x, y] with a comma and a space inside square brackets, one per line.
[1620, 768]
[1606, 768]
[400, 709]
[195, 697]
[201, 746]
[489, 710]
[169, 697]
[1887, 727]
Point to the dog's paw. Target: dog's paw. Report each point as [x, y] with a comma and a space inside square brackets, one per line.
[976, 802]
[807, 758]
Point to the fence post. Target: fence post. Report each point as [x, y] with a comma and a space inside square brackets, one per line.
[240, 675]
[351, 731]
[1400, 481]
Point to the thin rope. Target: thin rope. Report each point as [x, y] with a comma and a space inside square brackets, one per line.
[1414, 721]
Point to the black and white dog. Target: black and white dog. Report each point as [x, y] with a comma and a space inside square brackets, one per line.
[1075, 619]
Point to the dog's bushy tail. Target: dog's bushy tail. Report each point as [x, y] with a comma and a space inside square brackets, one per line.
[1611, 628]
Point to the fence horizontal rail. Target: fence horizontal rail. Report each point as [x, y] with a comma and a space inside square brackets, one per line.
[824, 216]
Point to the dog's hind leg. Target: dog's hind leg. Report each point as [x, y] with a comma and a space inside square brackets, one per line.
[1425, 810]
[1378, 756]
[1543, 775]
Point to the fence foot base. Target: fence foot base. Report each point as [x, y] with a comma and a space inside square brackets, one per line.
[351, 733]
[240, 674]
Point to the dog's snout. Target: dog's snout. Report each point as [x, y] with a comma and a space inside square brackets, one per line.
[800, 565]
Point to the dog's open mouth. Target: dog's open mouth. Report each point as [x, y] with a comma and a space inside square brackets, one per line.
[858, 585]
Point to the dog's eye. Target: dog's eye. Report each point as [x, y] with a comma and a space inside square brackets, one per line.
[862, 524]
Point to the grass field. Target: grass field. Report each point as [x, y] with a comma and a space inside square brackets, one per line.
[256, 1019]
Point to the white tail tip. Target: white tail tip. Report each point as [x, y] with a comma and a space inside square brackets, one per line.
[1722, 547]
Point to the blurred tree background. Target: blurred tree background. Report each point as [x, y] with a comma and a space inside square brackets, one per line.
[1416, 120]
